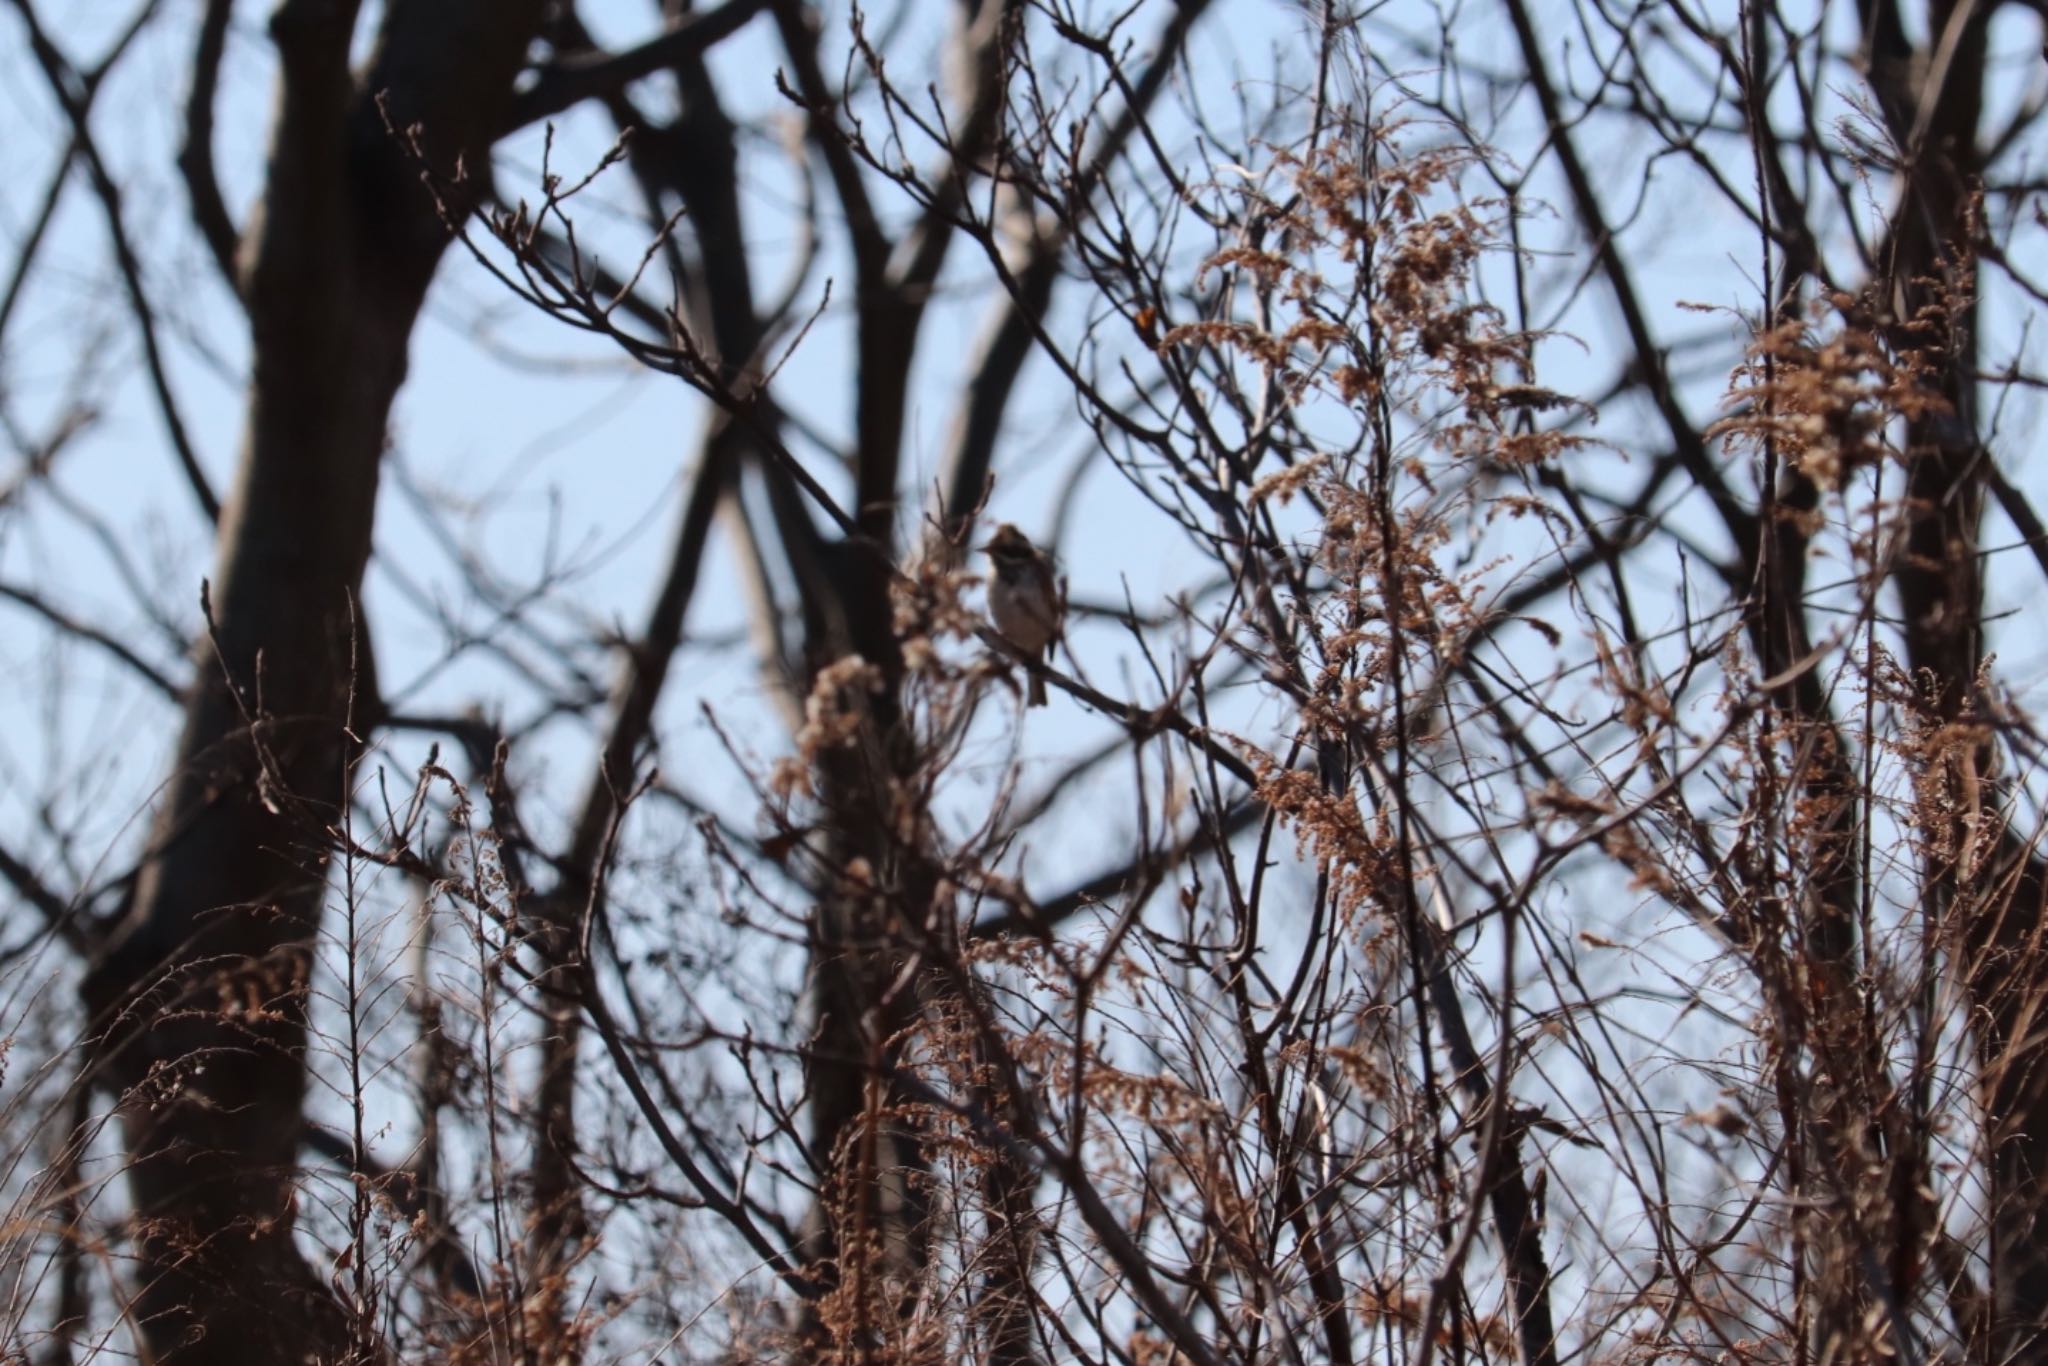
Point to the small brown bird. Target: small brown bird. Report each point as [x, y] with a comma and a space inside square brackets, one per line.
[1024, 599]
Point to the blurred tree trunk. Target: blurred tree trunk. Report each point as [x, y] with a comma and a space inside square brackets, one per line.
[1932, 99]
[203, 991]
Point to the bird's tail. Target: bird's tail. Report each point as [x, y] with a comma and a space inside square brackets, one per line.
[1035, 693]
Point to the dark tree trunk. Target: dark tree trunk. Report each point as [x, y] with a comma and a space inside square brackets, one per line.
[203, 993]
[1996, 904]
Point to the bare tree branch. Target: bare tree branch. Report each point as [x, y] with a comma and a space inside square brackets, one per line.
[570, 80]
[69, 90]
[195, 158]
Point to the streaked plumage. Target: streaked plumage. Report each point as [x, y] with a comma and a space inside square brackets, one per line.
[1023, 599]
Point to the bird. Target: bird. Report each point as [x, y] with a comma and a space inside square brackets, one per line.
[1024, 599]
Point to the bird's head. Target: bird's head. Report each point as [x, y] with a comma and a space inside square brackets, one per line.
[1009, 545]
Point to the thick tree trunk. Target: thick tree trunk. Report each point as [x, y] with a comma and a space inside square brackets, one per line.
[202, 996]
[865, 1234]
[1990, 890]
